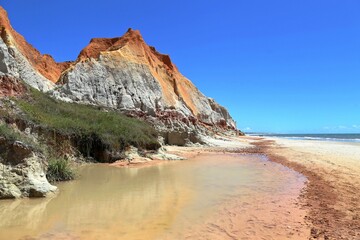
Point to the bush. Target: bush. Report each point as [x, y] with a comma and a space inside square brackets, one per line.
[59, 169]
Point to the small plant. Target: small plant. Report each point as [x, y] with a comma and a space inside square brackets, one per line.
[59, 169]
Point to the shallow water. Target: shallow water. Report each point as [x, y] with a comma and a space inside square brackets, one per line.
[156, 202]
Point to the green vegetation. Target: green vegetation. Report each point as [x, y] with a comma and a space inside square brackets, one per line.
[9, 133]
[59, 169]
[63, 123]
[111, 127]
[12, 135]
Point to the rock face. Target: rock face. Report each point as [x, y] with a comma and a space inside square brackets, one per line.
[122, 73]
[127, 74]
[20, 60]
[22, 172]
[10, 86]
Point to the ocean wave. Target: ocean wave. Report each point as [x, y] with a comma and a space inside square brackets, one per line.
[324, 139]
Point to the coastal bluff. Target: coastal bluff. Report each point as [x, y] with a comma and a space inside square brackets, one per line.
[122, 73]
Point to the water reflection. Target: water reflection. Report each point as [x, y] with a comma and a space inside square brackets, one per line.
[144, 203]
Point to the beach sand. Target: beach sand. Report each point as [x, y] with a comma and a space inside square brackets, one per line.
[331, 195]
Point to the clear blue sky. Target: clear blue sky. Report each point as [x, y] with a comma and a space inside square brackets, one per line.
[278, 66]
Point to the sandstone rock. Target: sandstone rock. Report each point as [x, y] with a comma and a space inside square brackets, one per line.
[22, 172]
[10, 86]
[18, 152]
[132, 153]
[14, 152]
[14, 63]
[177, 138]
[9, 190]
[125, 73]
[38, 185]
[18, 56]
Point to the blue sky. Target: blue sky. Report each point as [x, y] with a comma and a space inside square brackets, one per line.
[290, 66]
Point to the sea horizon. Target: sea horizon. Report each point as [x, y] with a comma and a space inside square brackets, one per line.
[335, 137]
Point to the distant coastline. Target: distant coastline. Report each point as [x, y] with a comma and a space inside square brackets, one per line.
[333, 137]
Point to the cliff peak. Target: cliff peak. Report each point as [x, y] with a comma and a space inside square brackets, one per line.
[98, 45]
[44, 64]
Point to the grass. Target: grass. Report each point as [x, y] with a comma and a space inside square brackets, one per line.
[88, 123]
[111, 127]
[10, 134]
[59, 169]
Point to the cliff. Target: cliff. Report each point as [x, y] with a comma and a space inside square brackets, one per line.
[121, 73]
[127, 74]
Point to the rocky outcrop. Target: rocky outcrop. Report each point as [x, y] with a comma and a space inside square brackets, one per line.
[22, 172]
[127, 74]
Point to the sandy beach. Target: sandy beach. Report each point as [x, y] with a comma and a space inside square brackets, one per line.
[331, 195]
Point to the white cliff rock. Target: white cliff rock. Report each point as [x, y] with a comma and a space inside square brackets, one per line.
[125, 73]
[22, 172]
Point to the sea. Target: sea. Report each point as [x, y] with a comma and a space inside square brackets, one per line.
[335, 137]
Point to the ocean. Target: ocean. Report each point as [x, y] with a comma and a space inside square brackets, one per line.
[336, 137]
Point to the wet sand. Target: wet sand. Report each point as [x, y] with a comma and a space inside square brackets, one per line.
[255, 214]
[331, 195]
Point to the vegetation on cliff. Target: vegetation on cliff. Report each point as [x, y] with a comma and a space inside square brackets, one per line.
[111, 127]
[10, 134]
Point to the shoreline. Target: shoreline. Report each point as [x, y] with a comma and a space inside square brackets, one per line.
[332, 193]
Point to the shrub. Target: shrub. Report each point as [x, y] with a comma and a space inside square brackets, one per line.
[59, 169]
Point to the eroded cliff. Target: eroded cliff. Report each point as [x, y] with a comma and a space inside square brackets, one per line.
[121, 73]
[127, 74]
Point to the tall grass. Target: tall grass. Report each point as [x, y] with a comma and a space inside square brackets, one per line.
[113, 128]
[59, 169]
[11, 134]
